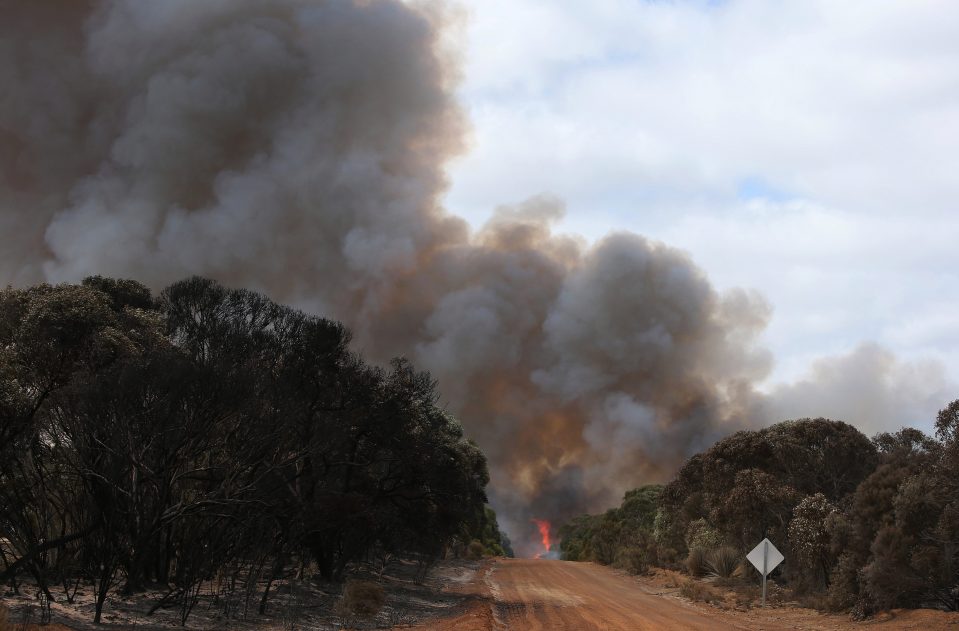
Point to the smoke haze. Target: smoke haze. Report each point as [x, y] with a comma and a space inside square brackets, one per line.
[298, 148]
[870, 386]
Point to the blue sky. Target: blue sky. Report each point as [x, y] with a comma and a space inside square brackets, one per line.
[807, 150]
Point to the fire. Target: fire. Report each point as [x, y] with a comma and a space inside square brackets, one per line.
[544, 527]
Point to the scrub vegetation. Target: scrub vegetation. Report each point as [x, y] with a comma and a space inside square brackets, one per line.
[865, 524]
[211, 436]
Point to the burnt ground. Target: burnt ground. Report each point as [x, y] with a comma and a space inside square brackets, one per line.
[411, 600]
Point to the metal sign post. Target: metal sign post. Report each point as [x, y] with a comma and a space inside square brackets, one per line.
[765, 557]
[765, 571]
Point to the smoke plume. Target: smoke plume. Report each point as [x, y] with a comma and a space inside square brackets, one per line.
[868, 386]
[298, 147]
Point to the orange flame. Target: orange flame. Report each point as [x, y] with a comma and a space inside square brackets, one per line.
[544, 527]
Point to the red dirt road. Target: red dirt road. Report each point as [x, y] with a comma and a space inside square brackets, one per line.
[548, 595]
[539, 595]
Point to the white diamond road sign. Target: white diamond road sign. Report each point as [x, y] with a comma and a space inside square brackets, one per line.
[773, 557]
[765, 557]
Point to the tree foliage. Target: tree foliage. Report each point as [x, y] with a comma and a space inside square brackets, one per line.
[163, 440]
[747, 486]
[622, 536]
[871, 524]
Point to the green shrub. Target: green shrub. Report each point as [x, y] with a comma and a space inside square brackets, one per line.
[363, 598]
[634, 559]
[475, 550]
[844, 588]
[668, 557]
[700, 534]
[696, 561]
[723, 561]
[810, 539]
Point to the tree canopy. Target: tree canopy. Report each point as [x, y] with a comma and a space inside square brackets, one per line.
[160, 440]
[869, 524]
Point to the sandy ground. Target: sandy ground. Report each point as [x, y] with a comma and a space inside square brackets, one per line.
[523, 594]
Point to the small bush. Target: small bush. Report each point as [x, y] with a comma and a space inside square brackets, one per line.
[843, 589]
[862, 610]
[363, 598]
[699, 592]
[699, 534]
[475, 550]
[696, 561]
[634, 560]
[813, 600]
[723, 561]
[735, 580]
[668, 557]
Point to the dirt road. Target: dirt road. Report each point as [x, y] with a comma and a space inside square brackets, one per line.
[540, 595]
[548, 595]
[534, 595]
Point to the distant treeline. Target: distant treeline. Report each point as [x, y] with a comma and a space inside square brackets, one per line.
[209, 432]
[867, 524]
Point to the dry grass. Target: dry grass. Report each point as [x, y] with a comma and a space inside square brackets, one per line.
[672, 578]
[361, 598]
[699, 592]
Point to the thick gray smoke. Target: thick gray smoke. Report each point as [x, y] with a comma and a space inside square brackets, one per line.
[298, 147]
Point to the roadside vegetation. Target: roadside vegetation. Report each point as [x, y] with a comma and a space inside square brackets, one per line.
[865, 524]
[208, 436]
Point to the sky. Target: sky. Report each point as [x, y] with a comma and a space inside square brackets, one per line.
[807, 150]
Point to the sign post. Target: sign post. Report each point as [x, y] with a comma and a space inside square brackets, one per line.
[765, 557]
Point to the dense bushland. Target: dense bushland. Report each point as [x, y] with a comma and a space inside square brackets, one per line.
[868, 524]
[621, 536]
[209, 432]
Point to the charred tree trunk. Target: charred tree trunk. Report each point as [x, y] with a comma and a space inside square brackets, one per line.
[278, 564]
[103, 586]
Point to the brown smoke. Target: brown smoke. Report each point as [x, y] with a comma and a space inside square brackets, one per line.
[298, 147]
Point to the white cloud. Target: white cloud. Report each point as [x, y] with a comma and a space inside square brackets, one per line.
[677, 119]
